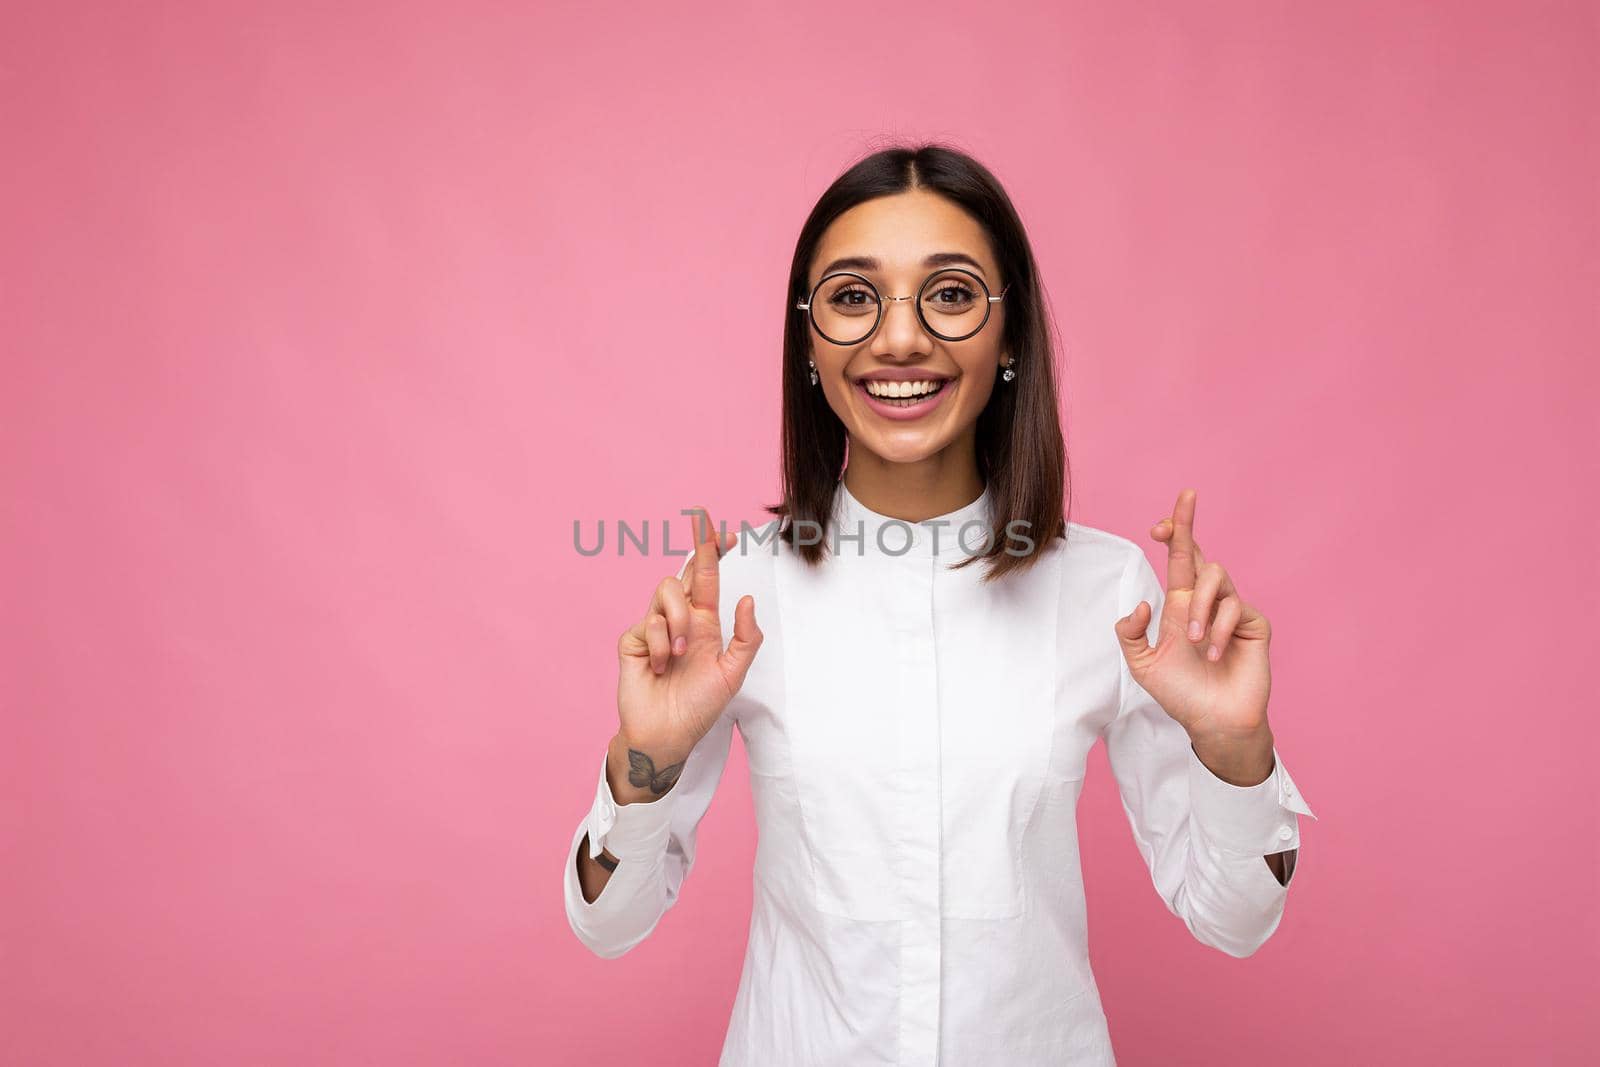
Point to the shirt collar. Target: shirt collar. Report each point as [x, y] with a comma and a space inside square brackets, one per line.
[880, 534]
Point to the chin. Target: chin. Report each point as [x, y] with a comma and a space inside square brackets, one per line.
[911, 447]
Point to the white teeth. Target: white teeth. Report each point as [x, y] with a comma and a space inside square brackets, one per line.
[902, 389]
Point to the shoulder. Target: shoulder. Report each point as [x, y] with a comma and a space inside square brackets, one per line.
[747, 566]
[1083, 565]
[1091, 550]
[1098, 567]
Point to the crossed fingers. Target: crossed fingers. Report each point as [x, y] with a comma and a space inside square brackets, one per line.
[666, 623]
[1214, 601]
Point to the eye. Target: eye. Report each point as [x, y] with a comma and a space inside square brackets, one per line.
[851, 299]
[951, 295]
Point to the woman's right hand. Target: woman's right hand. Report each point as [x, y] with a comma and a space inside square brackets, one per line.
[675, 676]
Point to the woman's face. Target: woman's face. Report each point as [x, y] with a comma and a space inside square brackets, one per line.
[943, 385]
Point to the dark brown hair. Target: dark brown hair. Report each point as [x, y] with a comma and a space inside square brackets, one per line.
[1021, 456]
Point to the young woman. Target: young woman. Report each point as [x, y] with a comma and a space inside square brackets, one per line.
[938, 650]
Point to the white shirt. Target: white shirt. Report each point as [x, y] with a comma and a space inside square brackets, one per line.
[917, 745]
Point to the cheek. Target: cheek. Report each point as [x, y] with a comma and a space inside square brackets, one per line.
[829, 359]
[979, 382]
[977, 396]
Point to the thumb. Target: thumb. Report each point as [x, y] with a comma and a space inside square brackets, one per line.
[1131, 631]
[741, 650]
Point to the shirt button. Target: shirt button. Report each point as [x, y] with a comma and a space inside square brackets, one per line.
[1284, 833]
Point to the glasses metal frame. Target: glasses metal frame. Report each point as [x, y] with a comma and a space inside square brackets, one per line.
[988, 309]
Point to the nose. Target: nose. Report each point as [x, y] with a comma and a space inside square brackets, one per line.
[900, 334]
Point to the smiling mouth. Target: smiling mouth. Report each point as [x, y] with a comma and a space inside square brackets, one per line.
[904, 394]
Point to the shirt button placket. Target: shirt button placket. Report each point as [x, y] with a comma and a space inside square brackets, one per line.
[920, 817]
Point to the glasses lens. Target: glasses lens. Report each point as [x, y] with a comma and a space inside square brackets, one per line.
[845, 308]
[954, 304]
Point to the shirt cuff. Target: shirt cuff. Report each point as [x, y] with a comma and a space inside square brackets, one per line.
[1258, 820]
[629, 831]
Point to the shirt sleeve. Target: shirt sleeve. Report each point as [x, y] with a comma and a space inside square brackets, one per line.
[654, 843]
[1202, 838]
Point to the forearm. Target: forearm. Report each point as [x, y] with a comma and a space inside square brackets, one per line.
[1244, 761]
[593, 871]
[635, 776]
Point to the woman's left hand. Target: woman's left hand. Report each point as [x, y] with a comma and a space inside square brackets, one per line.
[1208, 668]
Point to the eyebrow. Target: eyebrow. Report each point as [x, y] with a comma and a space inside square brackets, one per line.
[938, 259]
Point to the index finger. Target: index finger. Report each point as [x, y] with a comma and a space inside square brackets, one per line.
[1181, 549]
[703, 573]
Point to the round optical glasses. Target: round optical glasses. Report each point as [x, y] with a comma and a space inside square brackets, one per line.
[953, 304]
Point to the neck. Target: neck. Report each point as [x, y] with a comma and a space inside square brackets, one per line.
[914, 492]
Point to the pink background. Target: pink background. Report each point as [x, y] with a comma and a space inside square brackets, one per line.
[321, 327]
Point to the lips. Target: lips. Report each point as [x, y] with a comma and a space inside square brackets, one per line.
[904, 374]
[902, 390]
[902, 397]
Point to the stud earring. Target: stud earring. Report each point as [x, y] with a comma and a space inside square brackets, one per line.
[813, 371]
[1010, 373]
